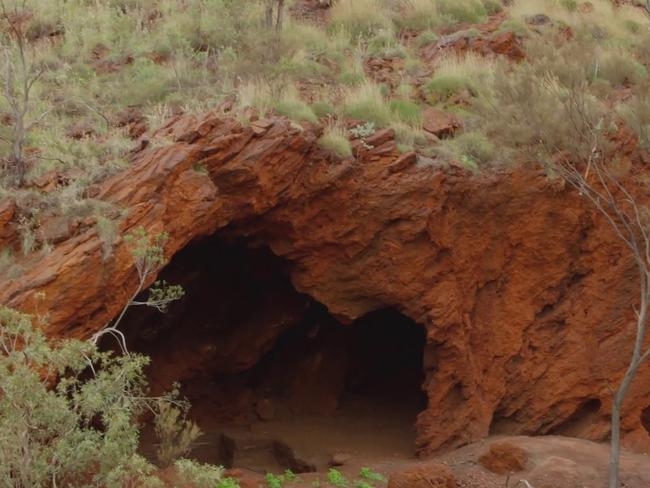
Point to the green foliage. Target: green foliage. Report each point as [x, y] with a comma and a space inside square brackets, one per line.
[367, 103]
[370, 475]
[363, 130]
[296, 110]
[465, 11]
[323, 109]
[362, 484]
[514, 26]
[360, 18]
[492, 7]
[426, 38]
[277, 481]
[78, 430]
[619, 68]
[334, 140]
[336, 478]
[227, 483]
[174, 431]
[384, 45]
[418, 15]
[202, 475]
[473, 148]
[147, 250]
[352, 77]
[408, 112]
[443, 86]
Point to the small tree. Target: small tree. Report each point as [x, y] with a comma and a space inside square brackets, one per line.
[19, 73]
[597, 182]
[68, 413]
[148, 256]
[274, 14]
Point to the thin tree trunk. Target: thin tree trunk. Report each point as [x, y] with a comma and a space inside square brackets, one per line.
[268, 17]
[619, 397]
[280, 16]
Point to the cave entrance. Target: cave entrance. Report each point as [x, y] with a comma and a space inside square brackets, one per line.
[275, 381]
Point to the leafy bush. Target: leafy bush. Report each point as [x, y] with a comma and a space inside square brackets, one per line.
[473, 148]
[174, 431]
[79, 430]
[336, 478]
[202, 475]
[370, 475]
[334, 140]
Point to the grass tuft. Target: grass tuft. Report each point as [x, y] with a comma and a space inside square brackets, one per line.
[335, 140]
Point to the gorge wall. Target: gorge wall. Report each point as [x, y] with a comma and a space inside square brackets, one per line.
[526, 296]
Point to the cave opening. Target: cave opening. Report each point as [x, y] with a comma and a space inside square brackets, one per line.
[276, 382]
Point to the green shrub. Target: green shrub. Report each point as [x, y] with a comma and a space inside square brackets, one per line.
[464, 11]
[407, 112]
[175, 433]
[81, 431]
[202, 475]
[444, 86]
[474, 148]
[228, 483]
[352, 77]
[334, 140]
[322, 109]
[492, 7]
[619, 68]
[514, 26]
[426, 38]
[296, 110]
[418, 15]
[370, 475]
[336, 478]
[385, 45]
[360, 18]
[367, 103]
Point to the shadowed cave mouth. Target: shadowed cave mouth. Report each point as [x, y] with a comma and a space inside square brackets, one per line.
[275, 381]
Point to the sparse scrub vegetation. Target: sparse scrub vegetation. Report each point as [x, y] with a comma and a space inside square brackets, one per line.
[334, 139]
[83, 81]
[367, 103]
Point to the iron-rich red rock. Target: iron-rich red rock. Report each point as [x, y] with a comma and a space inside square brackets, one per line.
[526, 294]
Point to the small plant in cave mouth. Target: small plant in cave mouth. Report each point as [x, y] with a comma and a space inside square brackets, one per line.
[370, 475]
[228, 483]
[336, 478]
[275, 481]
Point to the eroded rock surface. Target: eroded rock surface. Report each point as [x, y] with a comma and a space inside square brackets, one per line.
[526, 296]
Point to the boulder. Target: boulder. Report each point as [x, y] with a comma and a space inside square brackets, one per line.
[504, 458]
[432, 475]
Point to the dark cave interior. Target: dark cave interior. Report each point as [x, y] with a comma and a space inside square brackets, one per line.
[275, 381]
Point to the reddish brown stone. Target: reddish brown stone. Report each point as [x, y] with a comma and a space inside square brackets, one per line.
[504, 457]
[517, 281]
[423, 476]
[440, 123]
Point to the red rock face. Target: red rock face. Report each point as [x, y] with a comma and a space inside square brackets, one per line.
[526, 296]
